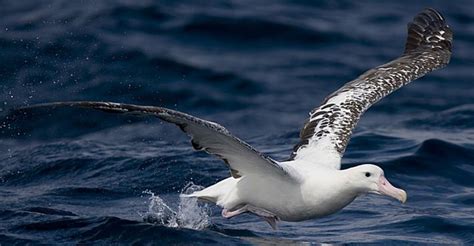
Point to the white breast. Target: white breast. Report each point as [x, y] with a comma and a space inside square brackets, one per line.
[318, 194]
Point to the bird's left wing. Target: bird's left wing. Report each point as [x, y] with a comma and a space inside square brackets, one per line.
[326, 134]
[213, 138]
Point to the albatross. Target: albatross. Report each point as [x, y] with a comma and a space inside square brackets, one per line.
[311, 183]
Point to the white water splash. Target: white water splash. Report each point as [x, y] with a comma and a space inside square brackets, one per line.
[189, 213]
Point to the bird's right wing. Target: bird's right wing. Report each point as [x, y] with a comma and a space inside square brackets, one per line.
[326, 134]
[211, 137]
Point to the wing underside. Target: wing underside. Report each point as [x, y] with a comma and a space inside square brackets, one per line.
[208, 136]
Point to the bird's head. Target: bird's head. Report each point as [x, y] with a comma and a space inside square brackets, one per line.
[370, 178]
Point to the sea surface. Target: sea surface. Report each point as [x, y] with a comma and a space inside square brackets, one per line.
[77, 176]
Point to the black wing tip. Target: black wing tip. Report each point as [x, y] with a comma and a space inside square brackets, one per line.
[104, 106]
[429, 31]
[25, 111]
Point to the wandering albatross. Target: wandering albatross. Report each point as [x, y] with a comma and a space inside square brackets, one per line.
[310, 184]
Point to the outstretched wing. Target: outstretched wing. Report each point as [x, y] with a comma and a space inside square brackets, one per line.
[326, 133]
[240, 157]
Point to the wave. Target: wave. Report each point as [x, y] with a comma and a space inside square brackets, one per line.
[437, 158]
[259, 30]
[457, 119]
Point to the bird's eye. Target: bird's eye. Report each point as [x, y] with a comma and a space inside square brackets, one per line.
[367, 174]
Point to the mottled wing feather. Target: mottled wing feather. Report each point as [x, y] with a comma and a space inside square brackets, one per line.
[213, 138]
[326, 134]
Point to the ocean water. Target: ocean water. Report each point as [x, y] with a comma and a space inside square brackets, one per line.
[71, 176]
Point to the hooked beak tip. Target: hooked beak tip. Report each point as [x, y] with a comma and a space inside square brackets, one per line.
[387, 189]
[403, 196]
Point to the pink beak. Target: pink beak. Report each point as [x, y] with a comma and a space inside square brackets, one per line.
[388, 189]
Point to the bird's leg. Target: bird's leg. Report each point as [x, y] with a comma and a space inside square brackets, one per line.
[272, 221]
[229, 214]
[270, 218]
[265, 215]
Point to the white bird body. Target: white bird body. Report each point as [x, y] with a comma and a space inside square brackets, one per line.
[310, 184]
[318, 191]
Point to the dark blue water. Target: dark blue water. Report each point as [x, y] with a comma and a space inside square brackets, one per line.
[77, 176]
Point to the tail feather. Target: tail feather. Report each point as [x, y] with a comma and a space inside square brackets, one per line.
[211, 199]
[216, 193]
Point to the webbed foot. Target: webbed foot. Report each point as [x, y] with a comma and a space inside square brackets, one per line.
[272, 221]
[269, 217]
